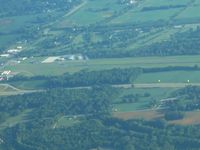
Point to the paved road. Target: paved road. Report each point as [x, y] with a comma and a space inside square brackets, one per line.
[156, 85]
[138, 86]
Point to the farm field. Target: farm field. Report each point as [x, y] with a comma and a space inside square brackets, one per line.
[147, 115]
[34, 66]
[191, 12]
[170, 77]
[149, 16]
[191, 117]
[142, 14]
[90, 12]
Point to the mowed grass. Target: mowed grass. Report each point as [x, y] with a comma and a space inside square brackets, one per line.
[34, 66]
[170, 77]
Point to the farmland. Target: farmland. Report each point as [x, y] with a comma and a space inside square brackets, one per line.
[100, 75]
[170, 77]
[63, 32]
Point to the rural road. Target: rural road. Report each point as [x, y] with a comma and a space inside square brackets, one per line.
[75, 9]
[156, 85]
[16, 91]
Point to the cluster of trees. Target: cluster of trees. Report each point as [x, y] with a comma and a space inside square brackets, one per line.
[188, 99]
[132, 98]
[84, 78]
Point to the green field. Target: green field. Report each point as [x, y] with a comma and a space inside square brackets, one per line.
[136, 15]
[149, 16]
[148, 3]
[33, 66]
[170, 77]
[156, 94]
[190, 13]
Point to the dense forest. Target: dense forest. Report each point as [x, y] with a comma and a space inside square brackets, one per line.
[96, 130]
[58, 101]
